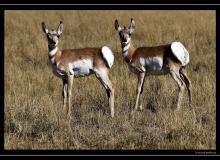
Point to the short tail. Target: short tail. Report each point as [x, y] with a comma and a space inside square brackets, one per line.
[108, 56]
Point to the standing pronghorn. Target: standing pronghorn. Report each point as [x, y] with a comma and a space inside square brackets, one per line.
[70, 63]
[164, 59]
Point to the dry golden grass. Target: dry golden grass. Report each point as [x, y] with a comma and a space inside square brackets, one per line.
[34, 117]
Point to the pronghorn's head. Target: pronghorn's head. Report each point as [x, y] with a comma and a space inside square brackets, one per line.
[125, 33]
[53, 35]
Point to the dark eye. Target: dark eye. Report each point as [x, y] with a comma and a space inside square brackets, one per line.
[129, 34]
[58, 36]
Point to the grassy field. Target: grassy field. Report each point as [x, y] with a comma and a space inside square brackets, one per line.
[34, 117]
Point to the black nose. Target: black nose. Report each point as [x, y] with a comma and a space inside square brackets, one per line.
[52, 42]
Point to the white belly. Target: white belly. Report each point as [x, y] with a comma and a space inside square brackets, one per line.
[152, 65]
[80, 68]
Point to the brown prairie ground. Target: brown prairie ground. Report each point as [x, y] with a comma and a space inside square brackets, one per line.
[34, 117]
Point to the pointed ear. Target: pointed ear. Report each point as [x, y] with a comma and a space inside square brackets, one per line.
[60, 28]
[117, 26]
[132, 26]
[44, 28]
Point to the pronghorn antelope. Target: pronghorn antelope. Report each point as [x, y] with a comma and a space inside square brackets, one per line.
[72, 63]
[158, 60]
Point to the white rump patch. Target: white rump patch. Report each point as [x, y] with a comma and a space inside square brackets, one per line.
[80, 67]
[180, 52]
[108, 55]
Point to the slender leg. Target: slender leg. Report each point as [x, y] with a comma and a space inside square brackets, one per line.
[110, 91]
[139, 89]
[176, 77]
[70, 82]
[188, 85]
[64, 93]
[141, 95]
[102, 76]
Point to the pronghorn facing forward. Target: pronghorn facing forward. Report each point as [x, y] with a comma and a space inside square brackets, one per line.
[70, 63]
[158, 60]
